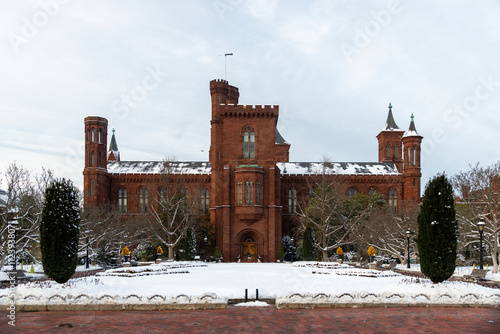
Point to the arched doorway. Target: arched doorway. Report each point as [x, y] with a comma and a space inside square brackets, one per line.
[248, 248]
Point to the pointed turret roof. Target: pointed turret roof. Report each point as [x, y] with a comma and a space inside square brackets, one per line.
[113, 152]
[412, 131]
[390, 124]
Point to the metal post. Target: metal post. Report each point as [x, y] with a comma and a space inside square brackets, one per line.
[480, 249]
[87, 266]
[408, 234]
[256, 294]
[246, 295]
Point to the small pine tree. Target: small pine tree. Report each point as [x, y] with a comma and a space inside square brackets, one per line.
[308, 249]
[437, 230]
[289, 249]
[59, 230]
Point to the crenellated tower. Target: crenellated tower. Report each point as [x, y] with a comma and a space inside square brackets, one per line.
[95, 175]
[390, 148]
[412, 170]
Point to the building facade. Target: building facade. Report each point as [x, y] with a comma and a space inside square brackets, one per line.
[248, 187]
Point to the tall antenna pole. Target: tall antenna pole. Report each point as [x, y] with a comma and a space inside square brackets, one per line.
[225, 67]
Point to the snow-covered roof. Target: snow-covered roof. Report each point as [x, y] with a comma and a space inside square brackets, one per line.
[341, 168]
[156, 167]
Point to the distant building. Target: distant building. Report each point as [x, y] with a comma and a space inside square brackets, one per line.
[248, 187]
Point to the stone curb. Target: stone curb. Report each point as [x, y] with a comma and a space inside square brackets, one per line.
[223, 305]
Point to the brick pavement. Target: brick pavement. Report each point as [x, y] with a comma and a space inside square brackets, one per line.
[263, 320]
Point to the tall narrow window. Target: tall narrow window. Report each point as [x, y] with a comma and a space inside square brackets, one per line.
[252, 145]
[92, 187]
[352, 192]
[122, 200]
[372, 191]
[395, 198]
[143, 200]
[390, 197]
[248, 192]
[249, 143]
[239, 193]
[100, 136]
[99, 160]
[258, 193]
[162, 198]
[396, 151]
[204, 201]
[388, 149]
[92, 161]
[408, 157]
[414, 156]
[93, 135]
[292, 201]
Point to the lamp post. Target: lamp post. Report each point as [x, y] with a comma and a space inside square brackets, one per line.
[87, 265]
[292, 253]
[408, 234]
[205, 239]
[480, 225]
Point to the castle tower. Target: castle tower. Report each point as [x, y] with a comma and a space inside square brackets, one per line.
[390, 148]
[411, 165]
[95, 175]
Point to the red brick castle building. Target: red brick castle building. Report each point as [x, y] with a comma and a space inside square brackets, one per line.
[248, 187]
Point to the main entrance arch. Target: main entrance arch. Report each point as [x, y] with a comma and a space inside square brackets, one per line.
[249, 247]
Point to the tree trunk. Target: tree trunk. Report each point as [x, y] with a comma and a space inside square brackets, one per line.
[494, 252]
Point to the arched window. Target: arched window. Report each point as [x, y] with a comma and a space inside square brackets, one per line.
[92, 187]
[162, 198]
[143, 200]
[239, 193]
[388, 151]
[249, 143]
[258, 193]
[353, 192]
[372, 191]
[408, 157]
[393, 198]
[100, 136]
[205, 200]
[122, 200]
[249, 192]
[292, 201]
[92, 159]
[414, 156]
[93, 135]
[396, 151]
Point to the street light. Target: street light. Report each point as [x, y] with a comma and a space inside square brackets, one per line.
[205, 239]
[14, 223]
[292, 255]
[408, 235]
[480, 225]
[87, 265]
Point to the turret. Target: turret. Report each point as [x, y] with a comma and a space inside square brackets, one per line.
[113, 153]
[95, 176]
[389, 142]
[411, 166]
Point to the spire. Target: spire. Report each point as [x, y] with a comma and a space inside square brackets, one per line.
[113, 153]
[390, 124]
[412, 131]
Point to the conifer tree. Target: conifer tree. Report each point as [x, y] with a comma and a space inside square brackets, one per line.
[437, 230]
[59, 230]
[308, 249]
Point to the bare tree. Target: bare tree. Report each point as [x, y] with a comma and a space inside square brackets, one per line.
[175, 209]
[23, 201]
[479, 198]
[386, 230]
[330, 211]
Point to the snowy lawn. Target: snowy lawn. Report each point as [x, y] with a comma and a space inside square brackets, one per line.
[162, 282]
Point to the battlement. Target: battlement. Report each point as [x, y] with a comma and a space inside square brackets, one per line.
[232, 110]
[90, 119]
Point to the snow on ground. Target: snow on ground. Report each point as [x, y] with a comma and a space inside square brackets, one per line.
[274, 280]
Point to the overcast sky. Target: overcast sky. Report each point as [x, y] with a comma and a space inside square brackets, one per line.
[333, 67]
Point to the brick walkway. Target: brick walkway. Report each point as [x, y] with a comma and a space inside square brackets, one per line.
[262, 320]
